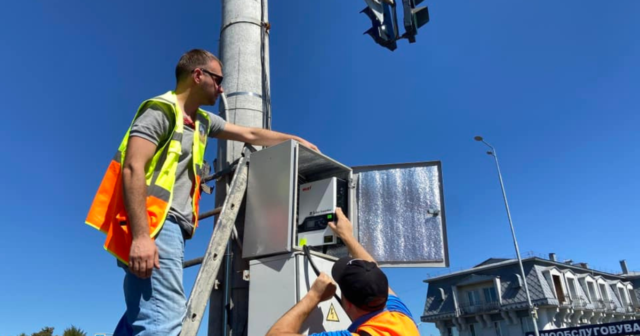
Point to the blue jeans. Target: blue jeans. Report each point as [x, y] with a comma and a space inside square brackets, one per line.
[156, 306]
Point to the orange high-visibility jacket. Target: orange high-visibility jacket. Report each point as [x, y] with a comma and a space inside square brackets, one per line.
[108, 214]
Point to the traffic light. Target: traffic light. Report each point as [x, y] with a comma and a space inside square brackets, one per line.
[384, 26]
[414, 18]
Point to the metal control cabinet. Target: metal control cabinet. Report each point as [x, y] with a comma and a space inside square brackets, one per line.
[397, 210]
[275, 174]
[279, 282]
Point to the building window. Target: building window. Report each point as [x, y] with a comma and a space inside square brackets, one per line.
[572, 288]
[474, 298]
[592, 291]
[634, 299]
[490, 294]
[496, 325]
[559, 290]
[623, 296]
[603, 291]
[472, 329]
[527, 325]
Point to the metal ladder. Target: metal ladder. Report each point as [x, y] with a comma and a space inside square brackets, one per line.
[223, 231]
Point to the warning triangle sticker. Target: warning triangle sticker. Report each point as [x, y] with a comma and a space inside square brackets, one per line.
[332, 316]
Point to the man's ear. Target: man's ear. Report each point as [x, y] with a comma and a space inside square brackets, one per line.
[196, 76]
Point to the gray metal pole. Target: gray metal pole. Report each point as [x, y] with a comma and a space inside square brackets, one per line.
[532, 309]
[244, 52]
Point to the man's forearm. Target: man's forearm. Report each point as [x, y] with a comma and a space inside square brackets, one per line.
[290, 323]
[356, 250]
[135, 194]
[263, 137]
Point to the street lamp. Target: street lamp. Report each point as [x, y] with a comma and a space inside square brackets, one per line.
[532, 309]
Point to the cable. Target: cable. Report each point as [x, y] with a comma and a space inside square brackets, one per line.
[266, 92]
[307, 254]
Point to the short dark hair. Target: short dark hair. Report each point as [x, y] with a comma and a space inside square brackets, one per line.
[192, 59]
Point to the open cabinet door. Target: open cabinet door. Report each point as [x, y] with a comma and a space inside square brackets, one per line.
[399, 214]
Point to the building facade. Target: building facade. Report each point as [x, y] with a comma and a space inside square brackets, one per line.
[490, 300]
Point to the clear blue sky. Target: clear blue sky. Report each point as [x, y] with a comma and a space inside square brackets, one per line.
[552, 84]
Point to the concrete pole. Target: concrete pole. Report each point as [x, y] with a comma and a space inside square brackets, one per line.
[244, 52]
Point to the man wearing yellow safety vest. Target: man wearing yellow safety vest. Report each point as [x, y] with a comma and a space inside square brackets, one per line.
[374, 309]
[147, 203]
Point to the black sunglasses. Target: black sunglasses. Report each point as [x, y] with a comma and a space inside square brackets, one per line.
[216, 78]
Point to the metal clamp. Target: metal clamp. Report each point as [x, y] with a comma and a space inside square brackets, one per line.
[244, 93]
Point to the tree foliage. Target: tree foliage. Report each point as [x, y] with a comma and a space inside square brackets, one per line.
[46, 331]
[73, 331]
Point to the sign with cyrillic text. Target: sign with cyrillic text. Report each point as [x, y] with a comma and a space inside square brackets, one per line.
[607, 329]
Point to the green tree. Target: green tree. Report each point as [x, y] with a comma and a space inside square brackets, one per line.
[46, 331]
[23, 334]
[73, 331]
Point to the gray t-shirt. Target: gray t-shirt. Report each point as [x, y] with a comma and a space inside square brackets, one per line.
[154, 125]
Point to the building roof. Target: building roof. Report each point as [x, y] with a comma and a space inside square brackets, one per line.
[474, 279]
[491, 261]
[631, 275]
[440, 303]
[498, 262]
[513, 297]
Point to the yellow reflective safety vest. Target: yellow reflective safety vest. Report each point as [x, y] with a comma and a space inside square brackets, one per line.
[107, 212]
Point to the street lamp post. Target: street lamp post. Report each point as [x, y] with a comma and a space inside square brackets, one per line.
[532, 309]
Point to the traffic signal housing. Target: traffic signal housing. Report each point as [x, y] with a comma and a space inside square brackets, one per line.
[384, 21]
[384, 26]
[414, 18]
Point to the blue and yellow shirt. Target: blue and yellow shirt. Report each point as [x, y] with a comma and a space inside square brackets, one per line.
[394, 320]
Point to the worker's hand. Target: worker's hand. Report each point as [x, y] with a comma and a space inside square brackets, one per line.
[342, 227]
[143, 257]
[323, 288]
[308, 144]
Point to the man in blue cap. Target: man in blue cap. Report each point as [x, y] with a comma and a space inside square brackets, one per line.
[372, 306]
